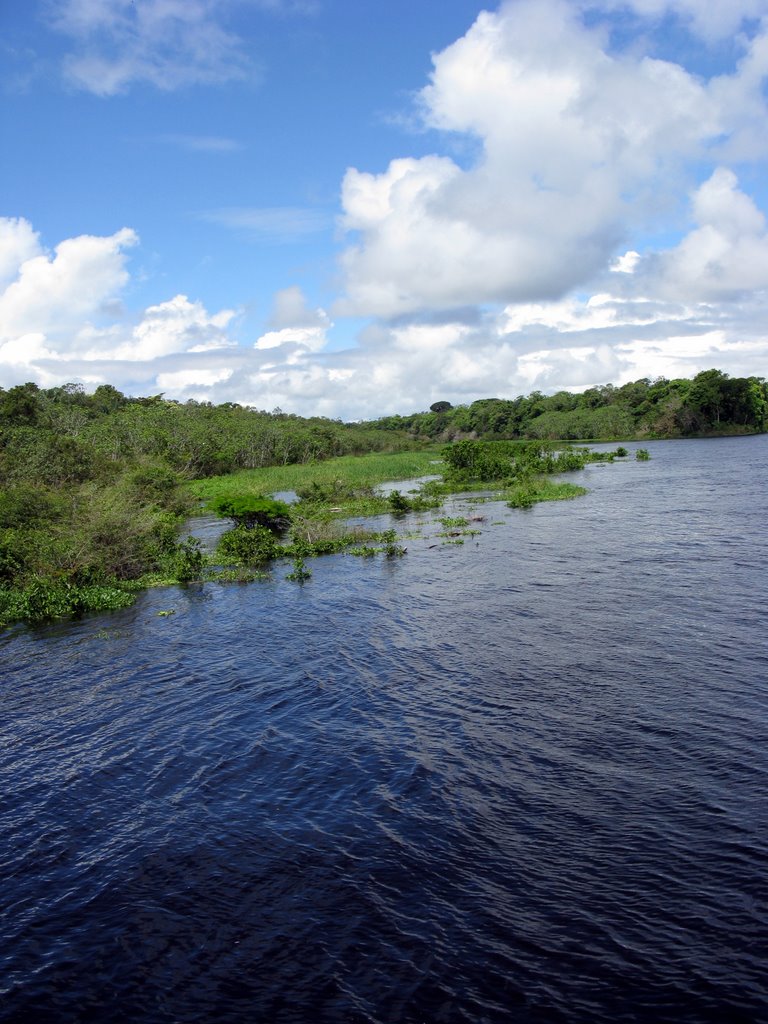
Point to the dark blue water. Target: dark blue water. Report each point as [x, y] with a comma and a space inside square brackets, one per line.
[519, 779]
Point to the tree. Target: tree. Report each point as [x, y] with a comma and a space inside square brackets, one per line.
[20, 406]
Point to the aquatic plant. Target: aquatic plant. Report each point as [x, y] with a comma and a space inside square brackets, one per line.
[391, 547]
[249, 546]
[300, 572]
[642, 455]
[251, 511]
[187, 560]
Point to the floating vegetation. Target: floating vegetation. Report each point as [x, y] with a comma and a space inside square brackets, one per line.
[300, 572]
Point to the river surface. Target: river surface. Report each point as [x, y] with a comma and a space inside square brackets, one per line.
[518, 779]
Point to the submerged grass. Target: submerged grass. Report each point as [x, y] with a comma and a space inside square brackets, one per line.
[531, 492]
[357, 471]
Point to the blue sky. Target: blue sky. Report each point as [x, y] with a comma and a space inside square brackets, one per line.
[352, 209]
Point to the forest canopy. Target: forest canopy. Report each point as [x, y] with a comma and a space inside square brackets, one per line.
[710, 403]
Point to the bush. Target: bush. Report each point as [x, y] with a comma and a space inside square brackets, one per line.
[249, 546]
[188, 560]
[250, 512]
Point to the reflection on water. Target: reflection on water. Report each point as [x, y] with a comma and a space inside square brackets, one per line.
[519, 778]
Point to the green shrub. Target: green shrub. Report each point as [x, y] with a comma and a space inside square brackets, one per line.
[300, 572]
[252, 511]
[398, 503]
[188, 560]
[249, 546]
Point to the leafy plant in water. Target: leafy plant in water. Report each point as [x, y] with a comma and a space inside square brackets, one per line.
[188, 560]
[455, 522]
[522, 496]
[300, 572]
[249, 546]
[252, 512]
[621, 453]
[391, 548]
[642, 455]
[398, 503]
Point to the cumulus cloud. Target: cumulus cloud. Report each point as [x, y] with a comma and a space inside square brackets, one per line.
[726, 255]
[54, 294]
[61, 320]
[290, 309]
[579, 147]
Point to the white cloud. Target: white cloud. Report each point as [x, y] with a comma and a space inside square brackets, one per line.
[167, 43]
[182, 380]
[724, 257]
[70, 326]
[172, 327]
[311, 339]
[711, 20]
[282, 223]
[55, 295]
[580, 147]
[18, 243]
[297, 326]
[290, 309]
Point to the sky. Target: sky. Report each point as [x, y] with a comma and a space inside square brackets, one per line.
[352, 208]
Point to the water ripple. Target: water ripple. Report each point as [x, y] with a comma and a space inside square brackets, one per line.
[521, 779]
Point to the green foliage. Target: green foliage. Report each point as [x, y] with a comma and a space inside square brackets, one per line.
[399, 504]
[522, 496]
[391, 547]
[330, 492]
[300, 572]
[454, 522]
[249, 546]
[188, 561]
[251, 511]
[712, 402]
[42, 599]
[621, 453]
[531, 492]
[642, 455]
[366, 551]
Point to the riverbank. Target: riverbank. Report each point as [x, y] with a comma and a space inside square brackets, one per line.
[324, 495]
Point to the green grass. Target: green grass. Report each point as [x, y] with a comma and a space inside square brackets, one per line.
[541, 489]
[355, 470]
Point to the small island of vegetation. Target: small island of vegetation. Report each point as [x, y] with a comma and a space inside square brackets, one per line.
[95, 488]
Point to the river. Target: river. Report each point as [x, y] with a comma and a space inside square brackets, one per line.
[518, 779]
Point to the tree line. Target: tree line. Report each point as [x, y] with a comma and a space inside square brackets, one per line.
[710, 403]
